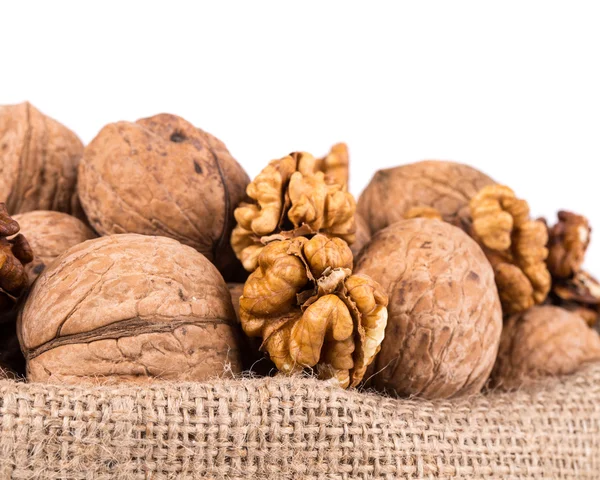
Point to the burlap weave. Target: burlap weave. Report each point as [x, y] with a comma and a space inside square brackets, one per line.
[298, 428]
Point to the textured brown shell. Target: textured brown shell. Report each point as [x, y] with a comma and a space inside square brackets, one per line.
[38, 161]
[445, 186]
[129, 308]
[163, 176]
[363, 235]
[543, 341]
[50, 234]
[236, 290]
[444, 314]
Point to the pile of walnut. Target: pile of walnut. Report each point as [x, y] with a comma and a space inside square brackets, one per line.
[151, 255]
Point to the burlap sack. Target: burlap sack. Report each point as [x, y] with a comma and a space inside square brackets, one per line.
[297, 428]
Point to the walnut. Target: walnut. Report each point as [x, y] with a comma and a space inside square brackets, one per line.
[335, 165]
[445, 186]
[291, 197]
[255, 361]
[50, 234]
[580, 294]
[15, 253]
[572, 288]
[163, 176]
[129, 308]
[236, 290]
[543, 341]
[514, 244]
[567, 244]
[444, 312]
[362, 235]
[423, 212]
[38, 160]
[311, 311]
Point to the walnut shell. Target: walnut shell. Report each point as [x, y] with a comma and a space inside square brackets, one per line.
[38, 161]
[129, 308]
[50, 234]
[163, 176]
[543, 341]
[362, 235]
[445, 186]
[236, 290]
[444, 314]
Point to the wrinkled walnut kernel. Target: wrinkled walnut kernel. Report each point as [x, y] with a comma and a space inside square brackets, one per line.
[567, 244]
[14, 255]
[423, 212]
[291, 197]
[514, 244]
[579, 294]
[572, 288]
[310, 311]
[335, 165]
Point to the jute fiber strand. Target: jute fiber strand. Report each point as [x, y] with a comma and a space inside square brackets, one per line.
[297, 428]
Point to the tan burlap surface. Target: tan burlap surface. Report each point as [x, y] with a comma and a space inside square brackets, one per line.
[298, 428]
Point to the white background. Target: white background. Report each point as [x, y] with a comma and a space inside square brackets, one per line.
[512, 88]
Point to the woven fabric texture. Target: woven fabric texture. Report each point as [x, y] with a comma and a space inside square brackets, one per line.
[297, 428]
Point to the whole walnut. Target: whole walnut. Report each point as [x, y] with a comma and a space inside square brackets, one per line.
[446, 186]
[38, 161]
[163, 176]
[444, 314]
[129, 308]
[543, 341]
[50, 234]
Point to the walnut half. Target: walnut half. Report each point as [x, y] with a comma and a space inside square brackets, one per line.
[572, 287]
[295, 195]
[14, 255]
[514, 244]
[311, 311]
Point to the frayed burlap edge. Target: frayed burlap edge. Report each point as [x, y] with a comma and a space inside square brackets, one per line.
[297, 428]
